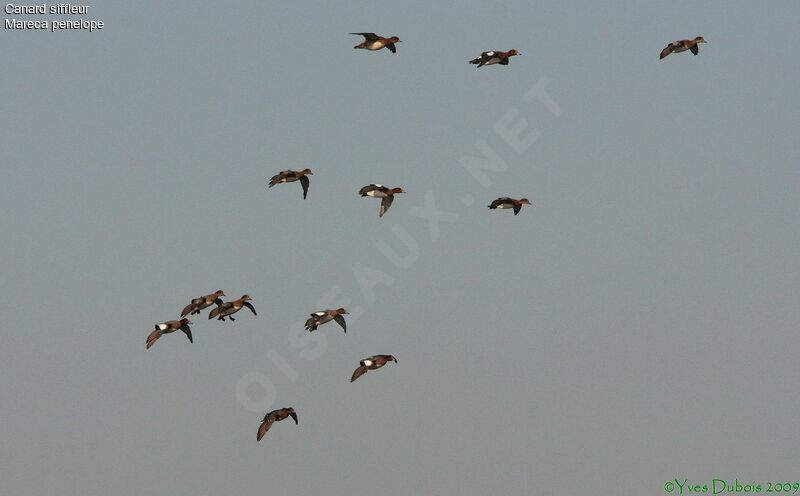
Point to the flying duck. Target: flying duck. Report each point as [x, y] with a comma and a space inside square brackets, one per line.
[682, 46]
[325, 316]
[372, 363]
[168, 327]
[202, 303]
[272, 417]
[289, 176]
[506, 202]
[381, 191]
[494, 57]
[229, 308]
[374, 42]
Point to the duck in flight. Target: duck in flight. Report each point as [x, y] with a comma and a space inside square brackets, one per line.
[325, 316]
[494, 57]
[203, 302]
[229, 308]
[374, 42]
[381, 191]
[683, 45]
[290, 176]
[272, 417]
[168, 327]
[505, 202]
[372, 363]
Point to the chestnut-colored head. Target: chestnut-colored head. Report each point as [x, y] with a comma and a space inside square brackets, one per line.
[220, 292]
[185, 321]
[397, 190]
[513, 52]
[245, 297]
[306, 172]
[395, 39]
[700, 39]
[341, 311]
[524, 201]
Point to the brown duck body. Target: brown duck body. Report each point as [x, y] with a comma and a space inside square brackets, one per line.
[505, 202]
[494, 57]
[272, 417]
[290, 176]
[682, 46]
[381, 191]
[325, 316]
[167, 328]
[203, 302]
[229, 308]
[374, 42]
[372, 363]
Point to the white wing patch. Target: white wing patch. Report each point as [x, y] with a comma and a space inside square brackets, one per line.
[367, 362]
[162, 327]
[320, 314]
[489, 54]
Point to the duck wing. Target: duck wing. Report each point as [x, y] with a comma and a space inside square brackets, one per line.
[359, 372]
[304, 183]
[391, 48]
[294, 416]
[250, 306]
[694, 48]
[517, 208]
[368, 36]
[188, 308]
[264, 427]
[340, 320]
[152, 338]
[666, 51]
[185, 328]
[385, 204]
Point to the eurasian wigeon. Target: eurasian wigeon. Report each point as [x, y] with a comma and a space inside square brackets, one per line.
[681, 46]
[381, 191]
[289, 176]
[202, 303]
[272, 417]
[494, 57]
[229, 308]
[372, 363]
[374, 42]
[506, 202]
[325, 316]
[168, 327]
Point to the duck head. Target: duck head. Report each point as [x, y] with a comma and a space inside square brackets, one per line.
[700, 39]
[342, 311]
[513, 52]
[245, 297]
[306, 172]
[219, 292]
[524, 201]
[185, 322]
[395, 39]
[397, 190]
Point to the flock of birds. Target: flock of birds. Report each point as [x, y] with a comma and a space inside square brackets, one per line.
[227, 309]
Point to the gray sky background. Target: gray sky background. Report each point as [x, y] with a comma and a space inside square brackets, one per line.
[638, 323]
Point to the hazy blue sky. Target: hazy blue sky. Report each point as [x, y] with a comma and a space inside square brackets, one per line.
[638, 323]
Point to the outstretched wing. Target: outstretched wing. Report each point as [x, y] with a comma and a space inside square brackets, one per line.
[264, 427]
[366, 189]
[391, 48]
[385, 204]
[359, 372]
[185, 328]
[368, 36]
[496, 203]
[666, 51]
[695, 49]
[517, 208]
[153, 337]
[304, 183]
[294, 416]
[340, 320]
[250, 306]
[188, 308]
